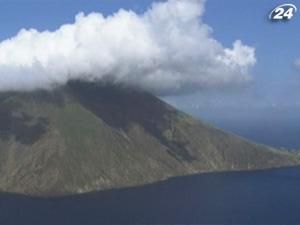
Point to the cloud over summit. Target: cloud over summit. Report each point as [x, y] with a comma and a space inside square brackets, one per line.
[165, 50]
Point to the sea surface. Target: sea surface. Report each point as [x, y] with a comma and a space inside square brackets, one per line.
[276, 134]
[277, 131]
[260, 197]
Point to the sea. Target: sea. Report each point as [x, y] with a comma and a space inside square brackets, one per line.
[257, 197]
[279, 131]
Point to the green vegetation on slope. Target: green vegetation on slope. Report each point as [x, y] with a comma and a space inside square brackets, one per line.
[88, 137]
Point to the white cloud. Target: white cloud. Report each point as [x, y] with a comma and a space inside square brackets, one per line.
[297, 63]
[168, 49]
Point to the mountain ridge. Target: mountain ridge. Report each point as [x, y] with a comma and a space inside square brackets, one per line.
[86, 137]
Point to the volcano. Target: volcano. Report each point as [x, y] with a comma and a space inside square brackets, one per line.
[85, 137]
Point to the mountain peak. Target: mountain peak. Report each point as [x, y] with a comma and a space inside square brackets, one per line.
[86, 137]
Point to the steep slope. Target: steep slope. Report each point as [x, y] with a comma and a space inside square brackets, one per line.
[86, 137]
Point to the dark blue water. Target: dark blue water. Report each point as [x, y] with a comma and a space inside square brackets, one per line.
[276, 134]
[279, 132]
[266, 197]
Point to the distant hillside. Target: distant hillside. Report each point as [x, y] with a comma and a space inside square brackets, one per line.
[87, 137]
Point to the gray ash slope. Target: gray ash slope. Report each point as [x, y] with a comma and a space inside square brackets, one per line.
[86, 137]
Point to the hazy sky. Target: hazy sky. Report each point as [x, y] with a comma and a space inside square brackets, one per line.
[275, 91]
[276, 83]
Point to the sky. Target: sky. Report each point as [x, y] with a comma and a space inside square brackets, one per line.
[276, 84]
[273, 90]
[267, 111]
